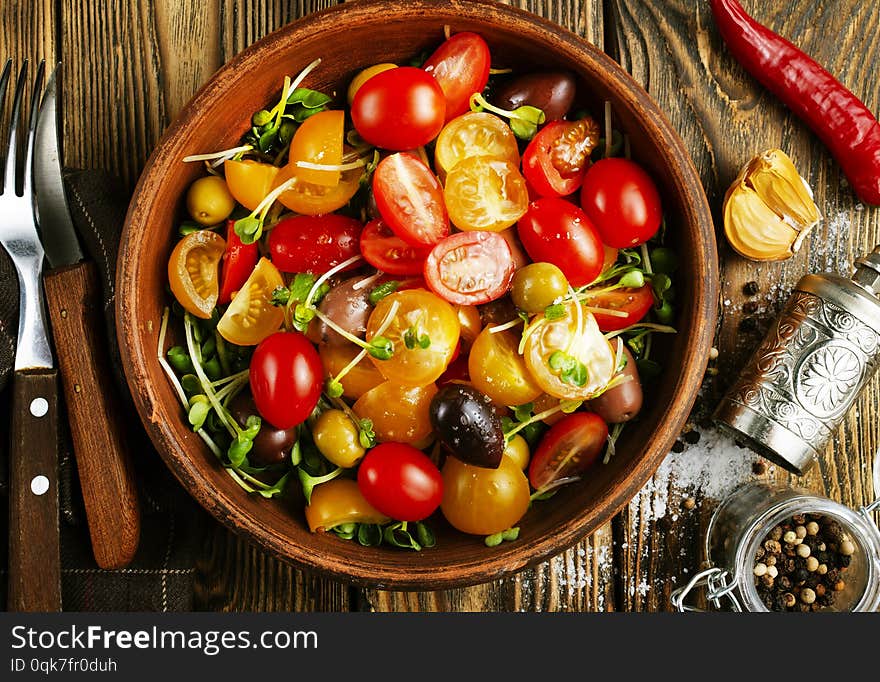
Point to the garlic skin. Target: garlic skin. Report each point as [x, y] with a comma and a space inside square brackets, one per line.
[769, 208]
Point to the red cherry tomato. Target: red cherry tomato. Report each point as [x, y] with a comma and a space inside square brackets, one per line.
[569, 448]
[236, 265]
[286, 378]
[634, 302]
[399, 109]
[306, 243]
[556, 231]
[461, 67]
[555, 160]
[457, 370]
[470, 268]
[387, 252]
[410, 198]
[400, 481]
[622, 201]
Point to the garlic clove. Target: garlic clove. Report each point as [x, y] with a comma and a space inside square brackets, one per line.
[769, 208]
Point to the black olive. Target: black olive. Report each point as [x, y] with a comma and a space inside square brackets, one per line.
[551, 91]
[271, 446]
[468, 425]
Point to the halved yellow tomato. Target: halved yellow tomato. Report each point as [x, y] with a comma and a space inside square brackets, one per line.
[399, 413]
[359, 379]
[251, 317]
[419, 314]
[474, 134]
[308, 198]
[340, 501]
[484, 193]
[250, 181]
[193, 271]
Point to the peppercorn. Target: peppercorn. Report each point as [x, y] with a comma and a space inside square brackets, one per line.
[820, 590]
[678, 446]
[812, 528]
[847, 548]
[748, 324]
[822, 569]
[799, 575]
[759, 468]
[692, 437]
[789, 538]
[803, 551]
[750, 307]
[770, 560]
[844, 562]
[839, 586]
[772, 546]
[776, 533]
[808, 596]
[799, 519]
[783, 582]
[789, 599]
[750, 288]
[812, 564]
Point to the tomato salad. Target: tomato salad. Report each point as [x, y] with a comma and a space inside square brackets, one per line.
[434, 300]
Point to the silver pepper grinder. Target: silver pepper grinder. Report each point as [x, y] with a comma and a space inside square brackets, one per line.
[815, 360]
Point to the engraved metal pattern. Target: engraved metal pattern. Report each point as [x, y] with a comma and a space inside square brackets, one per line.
[809, 369]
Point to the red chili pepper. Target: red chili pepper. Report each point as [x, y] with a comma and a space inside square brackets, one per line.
[843, 123]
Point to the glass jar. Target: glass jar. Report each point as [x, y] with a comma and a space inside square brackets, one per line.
[742, 524]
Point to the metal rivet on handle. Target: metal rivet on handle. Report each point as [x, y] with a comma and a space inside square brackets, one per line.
[39, 485]
[39, 407]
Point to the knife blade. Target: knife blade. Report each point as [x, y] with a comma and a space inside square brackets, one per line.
[73, 297]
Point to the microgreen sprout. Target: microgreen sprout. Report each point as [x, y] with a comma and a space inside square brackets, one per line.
[413, 339]
[309, 482]
[524, 120]
[383, 290]
[496, 539]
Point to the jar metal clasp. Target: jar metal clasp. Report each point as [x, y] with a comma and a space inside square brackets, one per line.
[867, 511]
[720, 583]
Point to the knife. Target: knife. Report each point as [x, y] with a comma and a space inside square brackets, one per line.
[73, 298]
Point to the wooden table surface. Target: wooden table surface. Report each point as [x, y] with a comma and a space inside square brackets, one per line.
[131, 66]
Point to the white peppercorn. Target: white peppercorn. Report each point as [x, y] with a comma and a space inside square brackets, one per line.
[772, 571]
[822, 569]
[800, 531]
[812, 564]
[760, 569]
[803, 551]
[790, 537]
[847, 548]
[808, 596]
[812, 528]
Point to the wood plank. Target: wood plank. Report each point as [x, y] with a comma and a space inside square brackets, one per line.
[674, 50]
[580, 579]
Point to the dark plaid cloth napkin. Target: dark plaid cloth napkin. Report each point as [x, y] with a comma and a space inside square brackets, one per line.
[174, 528]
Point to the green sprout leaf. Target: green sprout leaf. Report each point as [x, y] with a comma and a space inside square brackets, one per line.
[333, 388]
[369, 534]
[276, 489]
[397, 535]
[556, 311]
[381, 348]
[249, 229]
[366, 435]
[180, 360]
[309, 482]
[383, 290]
[199, 407]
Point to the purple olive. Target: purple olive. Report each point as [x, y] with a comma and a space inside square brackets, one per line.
[271, 445]
[468, 425]
[550, 91]
[348, 307]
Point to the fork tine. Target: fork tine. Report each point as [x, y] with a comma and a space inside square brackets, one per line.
[4, 79]
[36, 96]
[11, 153]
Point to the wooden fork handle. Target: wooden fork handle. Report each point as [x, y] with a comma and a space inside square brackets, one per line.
[97, 421]
[34, 549]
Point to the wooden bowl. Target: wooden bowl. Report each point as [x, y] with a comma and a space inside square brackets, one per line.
[349, 37]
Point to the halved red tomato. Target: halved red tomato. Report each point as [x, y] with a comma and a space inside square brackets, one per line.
[410, 199]
[387, 252]
[461, 67]
[634, 302]
[569, 448]
[236, 265]
[556, 159]
[470, 268]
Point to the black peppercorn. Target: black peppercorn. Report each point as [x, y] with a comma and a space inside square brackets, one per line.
[799, 575]
[750, 288]
[678, 446]
[692, 437]
[748, 324]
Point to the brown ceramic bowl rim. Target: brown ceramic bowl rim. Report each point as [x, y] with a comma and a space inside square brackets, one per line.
[503, 560]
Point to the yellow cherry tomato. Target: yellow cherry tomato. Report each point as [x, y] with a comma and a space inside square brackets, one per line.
[484, 501]
[474, 134]
[337, 437]
[359, 379]
[340, 501]
[193, 271]
[399, 413]
[308, 198]
[250, 181]
[497, 369]
[471, 325]
[319, 139]
[419, 314]
[484, 193]
[251, 317]
[209, 200]
[364, 76]
[518, 450]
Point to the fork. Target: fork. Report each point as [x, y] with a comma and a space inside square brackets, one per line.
[34, 555]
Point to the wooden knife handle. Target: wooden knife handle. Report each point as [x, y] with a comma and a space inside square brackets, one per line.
[34, 547]
[106, 473]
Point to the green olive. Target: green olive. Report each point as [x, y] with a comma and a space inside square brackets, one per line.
[336, 436]
[536, 286]
[209, 201]
[518, 450]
